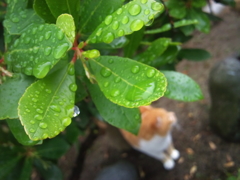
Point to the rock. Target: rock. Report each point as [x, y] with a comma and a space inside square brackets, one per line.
[121, 170]
[224, 87]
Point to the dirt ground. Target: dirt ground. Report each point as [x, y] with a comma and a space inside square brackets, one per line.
[204, 156]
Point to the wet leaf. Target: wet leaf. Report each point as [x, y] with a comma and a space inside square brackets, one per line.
[181, 87]
[156, 48]
[38, 50]
[202, 18]
[18, 18]
[46, 108]
[131, 17]
[118, 116]
[19, 133]
[10, 93]
[177, 9]
[92, 13]
[66, 23]
[199, 3]
[127, 82]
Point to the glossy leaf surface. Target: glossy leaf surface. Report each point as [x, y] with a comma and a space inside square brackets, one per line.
[46, 108]
[131, 17]
[42, 9]
[18, 18]
[181, 87]
[52, 148]
[66, 23]
[19, 133]
[38, 50]
[127, 82]
[93, 12]
[10, 93]
[118, 116]
[194, 54]
[156, 48]
[202, 18]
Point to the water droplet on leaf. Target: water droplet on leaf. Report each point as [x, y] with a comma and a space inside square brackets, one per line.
[115, 25]
[157, 6]
[71, 70]
[76, 111]
[120, 32]
[134, 9]
[135, 69]
[41, 69]
[66, 121]
[43, 125]
[55, 108]
[125, 20]
[60, 50]
[47, 51]
[115, 92]
[136, 25]
[105, 72]
[108, 38]
[108, 20]
[73, 87]
[150, 73]
[48, 35]
[39, 111]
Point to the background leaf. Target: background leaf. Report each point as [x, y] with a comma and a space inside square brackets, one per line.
[19, 133]
[46, 108]
[10, 93]
[93, 12]
[181, 87]
[38, 50]
[131, 17]
[194, 54]
[118, 116]
[42, 9]
[26, 169]
[127, 82]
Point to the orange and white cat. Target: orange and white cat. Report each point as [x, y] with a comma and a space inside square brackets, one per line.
[154, 137]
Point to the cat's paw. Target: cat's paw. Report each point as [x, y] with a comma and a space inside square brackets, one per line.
[169, 164]
[175, 154]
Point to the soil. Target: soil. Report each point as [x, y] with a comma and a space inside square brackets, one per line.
[204, 155]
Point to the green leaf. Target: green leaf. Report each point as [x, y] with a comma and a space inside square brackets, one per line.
[26, 170]
[42, 9]
[177, 9]
[10, 93]
[8, 161]
[19, 133]
[66, 23]
[181, 87]
[53, 148]
[92, 13]
[46, 108]
[131, 17]
[118, 116]
[127, 82]
[167, 27]
[134, 41]
[168, 56]
[38, 50]
[18, 18]
[194, 54]
[81, 92]
[199, 3]
[154, 50]
[65, 6]
[48, 170]
[72, 133]
[203, 20]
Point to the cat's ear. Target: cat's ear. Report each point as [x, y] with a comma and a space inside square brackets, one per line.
[144, 108]
[158, 122]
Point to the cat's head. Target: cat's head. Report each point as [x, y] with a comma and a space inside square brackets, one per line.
[158, 119]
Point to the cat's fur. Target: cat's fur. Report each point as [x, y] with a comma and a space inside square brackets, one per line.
[154, 137]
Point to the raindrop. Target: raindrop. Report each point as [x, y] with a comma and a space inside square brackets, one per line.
[99, 32]
[28, 110]
[39, 111]
[34, 100]
[40, 38]
[32, 130]
[108, 20]
[117, 79]
[43, 125]
[60, 35]
[73, 87]
[48, 91]
[151, 17]
[119, 11]
[45, 135]
[15, 19]
[76, 111]
[60, 50]
[16, 43]
[134, 9]
[144, 1]
[71, 70]
[105, 72]
[66, 121]
[35, 49]
[136, 25]
[108, 38]
[115, 92]
[110, 61]
[106, 84]
[125, 20]
[48, 35]
[157, 6]
[47, 51]
[61, 103]
[93, 39]
[120, 32]
[150, 73]
[135, 69]
[34, 30]
[40, 70]
[40, 28]
[115, 25]
[27, 40]
[137, 94]
[28, 71]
